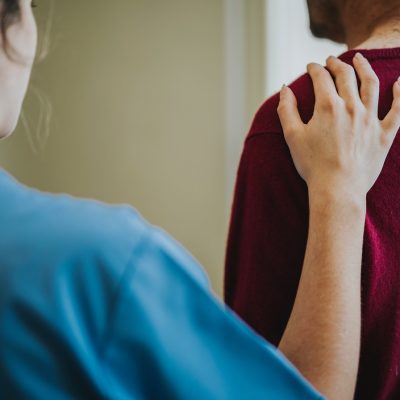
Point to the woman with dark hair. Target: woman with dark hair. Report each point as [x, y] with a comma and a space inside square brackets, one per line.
[97, 303]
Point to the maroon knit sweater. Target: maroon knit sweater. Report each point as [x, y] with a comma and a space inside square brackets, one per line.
[268, 235]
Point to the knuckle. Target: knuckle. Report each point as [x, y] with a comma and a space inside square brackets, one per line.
[349, 76]
[345, 68]
[396, 106]
[394, 113]
[352, 108]
[372, 81]
[367, 119]
[290, 131]
[329, 104]
[386, 139]
[281, 108]
[369, 122]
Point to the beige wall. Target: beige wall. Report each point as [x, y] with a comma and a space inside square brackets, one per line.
[137, 88]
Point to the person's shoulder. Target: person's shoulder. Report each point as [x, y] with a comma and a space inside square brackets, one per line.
[65, 230]
[58, 227]
[266, 120]
[168, 259]
[91, 227]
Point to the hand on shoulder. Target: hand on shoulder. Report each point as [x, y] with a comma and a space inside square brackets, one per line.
[344, 145]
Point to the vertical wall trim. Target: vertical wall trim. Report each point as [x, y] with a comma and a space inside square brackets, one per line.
[235, 88]
[290, 44]
[277, 42]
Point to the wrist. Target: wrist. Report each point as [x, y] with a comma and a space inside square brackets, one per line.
[348, 199]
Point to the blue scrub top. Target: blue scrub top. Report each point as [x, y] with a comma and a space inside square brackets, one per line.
[95, 303]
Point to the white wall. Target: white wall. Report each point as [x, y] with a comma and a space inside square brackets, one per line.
[290, 45]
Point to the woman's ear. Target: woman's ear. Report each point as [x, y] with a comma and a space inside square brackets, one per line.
[21, 35]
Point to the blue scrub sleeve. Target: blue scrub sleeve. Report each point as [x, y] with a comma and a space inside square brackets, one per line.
[170, 338]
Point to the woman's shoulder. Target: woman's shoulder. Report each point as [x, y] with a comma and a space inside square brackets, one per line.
[52, 233]
[62, 226]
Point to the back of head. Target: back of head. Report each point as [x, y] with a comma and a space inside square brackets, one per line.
[326, 19]
[350, 21]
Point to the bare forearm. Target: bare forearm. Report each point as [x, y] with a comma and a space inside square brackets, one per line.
[322, 337]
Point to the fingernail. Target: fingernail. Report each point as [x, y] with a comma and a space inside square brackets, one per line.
[398, 80]
[359, 57]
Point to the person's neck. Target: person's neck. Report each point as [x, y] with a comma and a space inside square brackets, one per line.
[383, 37]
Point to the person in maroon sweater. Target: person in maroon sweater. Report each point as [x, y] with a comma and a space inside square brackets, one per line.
[269, 223]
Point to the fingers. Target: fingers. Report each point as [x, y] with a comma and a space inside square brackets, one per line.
[391, 123]
[345, 80]
[369, 90]
[288, 113]
[324, 87]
